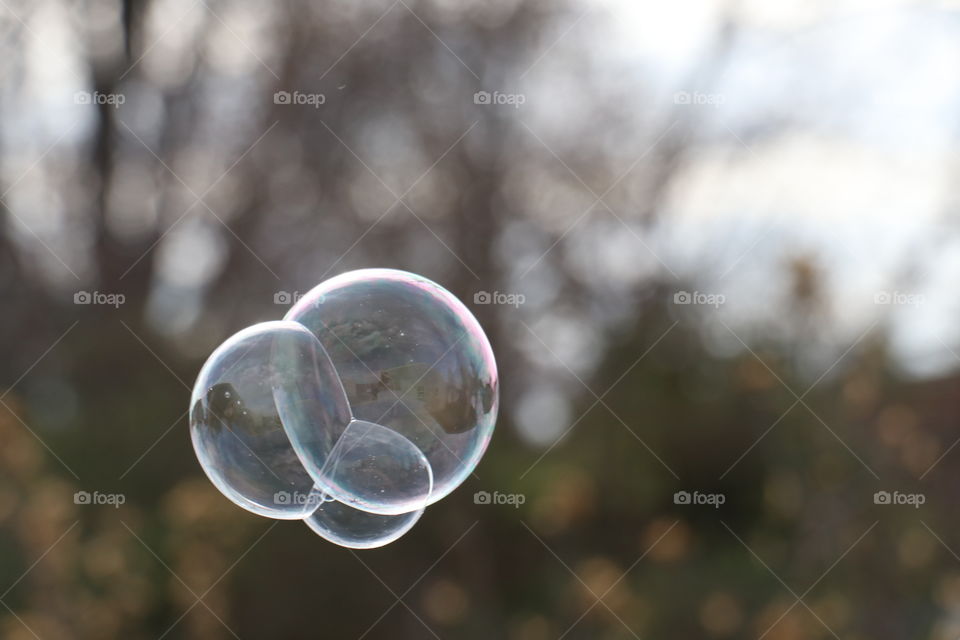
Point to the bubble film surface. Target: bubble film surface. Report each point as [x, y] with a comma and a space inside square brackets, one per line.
[374, 397]
[412, 358]
[309, 397]
[356, 529]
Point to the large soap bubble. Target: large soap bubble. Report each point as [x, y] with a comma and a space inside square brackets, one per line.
[412, 358]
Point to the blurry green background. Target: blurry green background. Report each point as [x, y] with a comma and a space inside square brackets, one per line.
[714, 245]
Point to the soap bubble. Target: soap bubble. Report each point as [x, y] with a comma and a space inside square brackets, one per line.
[412, 358]
[356, 529]
[374, 397]
[236, 425]
[371, 468]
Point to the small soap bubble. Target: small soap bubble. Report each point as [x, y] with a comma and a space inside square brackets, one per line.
[375, 469]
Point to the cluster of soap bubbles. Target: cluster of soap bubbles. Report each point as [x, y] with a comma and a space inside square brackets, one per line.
[374, 397]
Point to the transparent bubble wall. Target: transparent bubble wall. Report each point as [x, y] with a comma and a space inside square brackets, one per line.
[375, 396]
